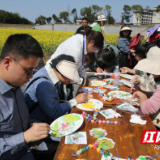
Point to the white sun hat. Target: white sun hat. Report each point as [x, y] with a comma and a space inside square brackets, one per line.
[125, 29]
[151, 64]
[103, 18]
[69, 70]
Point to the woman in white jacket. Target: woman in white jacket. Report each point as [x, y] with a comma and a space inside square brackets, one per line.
[78, 46]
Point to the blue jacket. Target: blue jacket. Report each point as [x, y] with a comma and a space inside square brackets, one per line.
[45, 93]
[123, 44]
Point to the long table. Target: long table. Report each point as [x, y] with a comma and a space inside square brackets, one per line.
[127, 136]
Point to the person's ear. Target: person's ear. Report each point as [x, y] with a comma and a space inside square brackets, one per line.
[7, 62]
[92, 42]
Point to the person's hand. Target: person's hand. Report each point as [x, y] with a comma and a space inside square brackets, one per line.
[132, 51]
[81, 98]
[143, 89]
[136, 79]
[133, 54]
[125, 69]
[106, 70]
[139, 95]
[89, 83]
[135, 88]
[37, 132]
[99, 70]
[137, 76]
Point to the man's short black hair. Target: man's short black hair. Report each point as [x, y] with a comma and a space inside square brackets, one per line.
[141, 51]
[84, 18]
[21, 46]
[153, 44]
[60, 58]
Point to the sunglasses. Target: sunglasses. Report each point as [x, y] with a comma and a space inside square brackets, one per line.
[27, 71]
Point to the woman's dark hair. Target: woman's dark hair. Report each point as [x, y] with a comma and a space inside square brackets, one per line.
[90, 58]
[21, 46]
[108, 55]
[94, 35]
[140, 51]
[121, 32]
[62, 57]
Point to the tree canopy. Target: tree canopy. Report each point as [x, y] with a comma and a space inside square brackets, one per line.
[126, 15]
[138, 11]
[12, 18]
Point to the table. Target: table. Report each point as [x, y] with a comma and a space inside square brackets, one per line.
[127, 136]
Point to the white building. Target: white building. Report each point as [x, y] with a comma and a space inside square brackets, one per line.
[149, 17]
[156, 16]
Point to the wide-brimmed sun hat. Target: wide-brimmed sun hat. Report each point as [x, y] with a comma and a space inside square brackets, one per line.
[125, 29]
[151, 64]
[103, 18]
[69, 70]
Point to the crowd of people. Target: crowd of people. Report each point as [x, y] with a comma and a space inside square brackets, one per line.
[25, 117]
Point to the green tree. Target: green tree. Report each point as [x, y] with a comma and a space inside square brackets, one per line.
[95, 11]
[12, 18]
[41, 20]
[56, 19]
[138, 11]
[111, 20]
[87, 12]
[74, 13]
[48, 20]
[64, 16]
[158, 8]
[107, 10]
[125, 16]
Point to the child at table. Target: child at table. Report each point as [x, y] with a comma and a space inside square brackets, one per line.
[140, 53]
[104, 61]
[151, 65]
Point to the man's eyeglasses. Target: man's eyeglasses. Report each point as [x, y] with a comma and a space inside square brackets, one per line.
[27, 71]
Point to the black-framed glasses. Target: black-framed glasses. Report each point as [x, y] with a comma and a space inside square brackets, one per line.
[27, 70]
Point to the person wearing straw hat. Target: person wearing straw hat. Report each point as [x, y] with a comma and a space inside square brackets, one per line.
[123, 44]
[97, 26]
[150, 65]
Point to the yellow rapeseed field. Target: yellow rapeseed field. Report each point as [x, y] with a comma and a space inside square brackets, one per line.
[49, 40]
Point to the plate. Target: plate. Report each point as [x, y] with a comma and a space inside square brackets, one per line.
[105, 143]
[93, 103]
[66, 124]
[97, 83]
[127, 83]
[91, 73]
[126, 76]
[120, 94]
[98, 132]
[86, 89]
[109, 80]
[104, 73]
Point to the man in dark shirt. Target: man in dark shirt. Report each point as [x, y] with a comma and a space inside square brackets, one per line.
[81, 29]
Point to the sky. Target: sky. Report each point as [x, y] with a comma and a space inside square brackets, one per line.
[31, 9]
